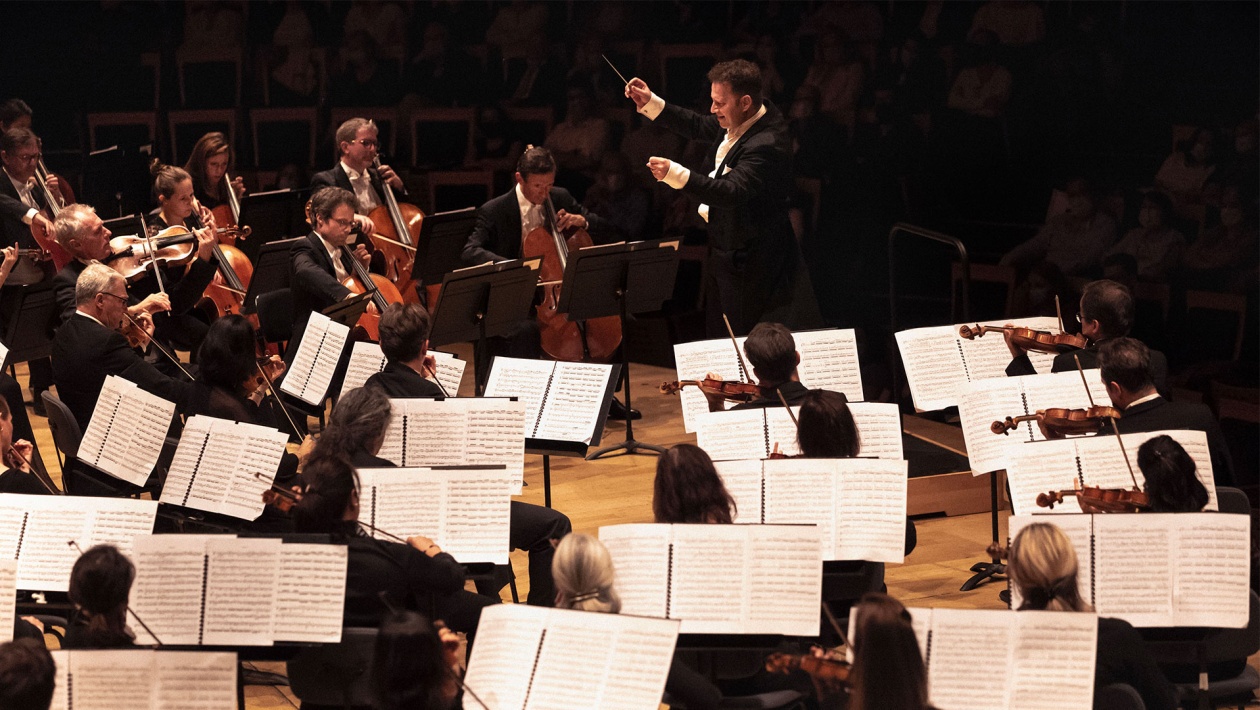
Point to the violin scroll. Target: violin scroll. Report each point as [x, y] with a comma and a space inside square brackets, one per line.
[726, 389]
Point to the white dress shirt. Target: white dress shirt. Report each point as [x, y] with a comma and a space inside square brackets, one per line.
[334, 253]
[362, 183]
[531, 214]
[24, 194]
[678, 175]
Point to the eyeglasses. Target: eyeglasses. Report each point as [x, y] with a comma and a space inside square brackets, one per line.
[366, 142]
[1078, 319]
[30, 158]
[114, 295]
[347, 223]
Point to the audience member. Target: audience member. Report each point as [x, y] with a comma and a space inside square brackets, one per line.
[384, 21]
[1186, 169]
[1014, 22]
[580, 140]
[1222, 257]
[363, 78]
[517, 28]
[1154, 243]
[442, 73]
[1075, 241]
[839, 78]
[983, 88]
[616, 198]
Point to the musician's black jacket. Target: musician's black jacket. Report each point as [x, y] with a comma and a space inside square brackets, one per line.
[497, 234]
[401, 382]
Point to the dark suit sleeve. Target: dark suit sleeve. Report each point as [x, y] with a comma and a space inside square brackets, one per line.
[745, 182]
[689, 124]
[12, 208]
[1020, 366]
[323, 178]
[63, 291]
[117, 356]
[309, 277]
[1222, 460]
[185, 290]
[476, 249]
[600, 229]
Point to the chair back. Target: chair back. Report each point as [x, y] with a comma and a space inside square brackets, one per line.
[337, 674]
[65, 429]
[275, 314]
[1232, 500]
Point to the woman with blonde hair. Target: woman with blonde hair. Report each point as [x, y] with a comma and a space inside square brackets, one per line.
[1043, 569]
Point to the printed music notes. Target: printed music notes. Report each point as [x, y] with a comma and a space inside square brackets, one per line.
[467, 431]
[564, 401]
[127, 431]
[141, 679]
[753, 433]
[8, 598]
[315, 364]
[215, 463]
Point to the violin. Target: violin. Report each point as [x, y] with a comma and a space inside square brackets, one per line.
[1094, 499]
[1059, 421]
[595, 339]
[726, 389]
[132, 255]
[136, 336]
[830, 676]
[1028, 339]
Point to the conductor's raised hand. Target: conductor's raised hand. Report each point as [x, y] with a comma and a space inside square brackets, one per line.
[638, 92]
[659, 167]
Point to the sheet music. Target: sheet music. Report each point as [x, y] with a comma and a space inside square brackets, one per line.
[315, 363]
[640, 555]
[466, 511]
[781, 430]
[366, 359]
[1041, 467]
[627, 659]
[995, 399]
[143, 678]
[465, 431]
[311, 593]
[939, 363]
[524, 379]
[1103, 465]
[235, 615]
[126, 432]
[45, 525]
[215, 463]
[167, 591]
[879, 429]
[8, 598]
[575, 402]
[742, 479]
[1192, 568]
[829, 361]
[1049, 658]
[502, 661]
[1079, 529]
[741, 434]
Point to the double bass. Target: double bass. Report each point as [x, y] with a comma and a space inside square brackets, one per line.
[397, 229]
[591, 340]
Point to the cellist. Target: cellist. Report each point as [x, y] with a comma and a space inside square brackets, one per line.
[318, 264]
[207, 165]
[358, 145]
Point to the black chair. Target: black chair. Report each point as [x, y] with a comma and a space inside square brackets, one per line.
[1219, 645]
[1232, 500]
[1118, 696]
[275, 315]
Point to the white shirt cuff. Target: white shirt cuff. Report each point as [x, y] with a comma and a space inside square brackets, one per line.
[653, 107]
[677, 176]
[29, 216]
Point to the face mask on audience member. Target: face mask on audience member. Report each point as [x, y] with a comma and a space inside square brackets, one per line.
[1231, 216]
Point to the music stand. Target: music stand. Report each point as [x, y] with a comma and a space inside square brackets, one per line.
[617, 280]
[272, 216]
[118, 177]
[271, 271]
[440, 244]
[349, 311]
[28, 327]
[130, 224]
[484, 301]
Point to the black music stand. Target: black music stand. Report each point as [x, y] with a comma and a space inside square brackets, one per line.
[482, 302]
[117, 179]
[617, 280]
[440, 244]
[349, 311]
[272, 216]
[28, 327]
[271, 271]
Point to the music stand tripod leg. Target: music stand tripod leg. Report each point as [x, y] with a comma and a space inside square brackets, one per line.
[630, 445]
[993, 568]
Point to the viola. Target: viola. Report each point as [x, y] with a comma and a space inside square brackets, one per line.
[1060, 421]
[1100, 500]
[595, 339]
[1029, 339]
[132, 255]
[397, 231]
[32, 266]
[726, 389]
[827, 673]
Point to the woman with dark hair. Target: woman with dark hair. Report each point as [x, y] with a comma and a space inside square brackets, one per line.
[888, 671]
[1171, 483]
[1043, 569]
[688, 489]
[416, 666]
[208, 163]
[100, 587]
[825, 429]
[410, 574]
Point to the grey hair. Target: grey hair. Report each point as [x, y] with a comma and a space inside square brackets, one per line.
[96, 278]
[71, 222]
[348, 130]
[584, 575]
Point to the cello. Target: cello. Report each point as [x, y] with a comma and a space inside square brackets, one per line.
[361, 280]
[397, 229]
[228, 213]
[60, 257]
[587, 341]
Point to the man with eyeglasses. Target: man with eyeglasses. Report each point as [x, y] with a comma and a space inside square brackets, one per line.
[358, 144]
[318, 264]
[1106, 313]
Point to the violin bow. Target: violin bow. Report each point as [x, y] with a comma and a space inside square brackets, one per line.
[438, 382]
[158, 641]
[375, 529]
[788, 407]
[157, 272]
[743, 368]
[275, 397]
[282, 491]
[1114, 428]
[158, 346]
[1059, 312]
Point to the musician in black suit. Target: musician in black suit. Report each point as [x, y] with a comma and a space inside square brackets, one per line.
[357, 147]
[1126, 370]
[754, 271]
[87, 348]
[1106, 312]
[318, 264]
[405, 342]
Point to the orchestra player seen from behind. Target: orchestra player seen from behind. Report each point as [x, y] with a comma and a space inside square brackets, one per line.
[404, 332]
[100, 587]
[688, 489]
[411, 575]
[888, 672]
[1126, 367]
[1170, 483]
[416, 664]
[771, 352]
[1043, 569]
[27, 675]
